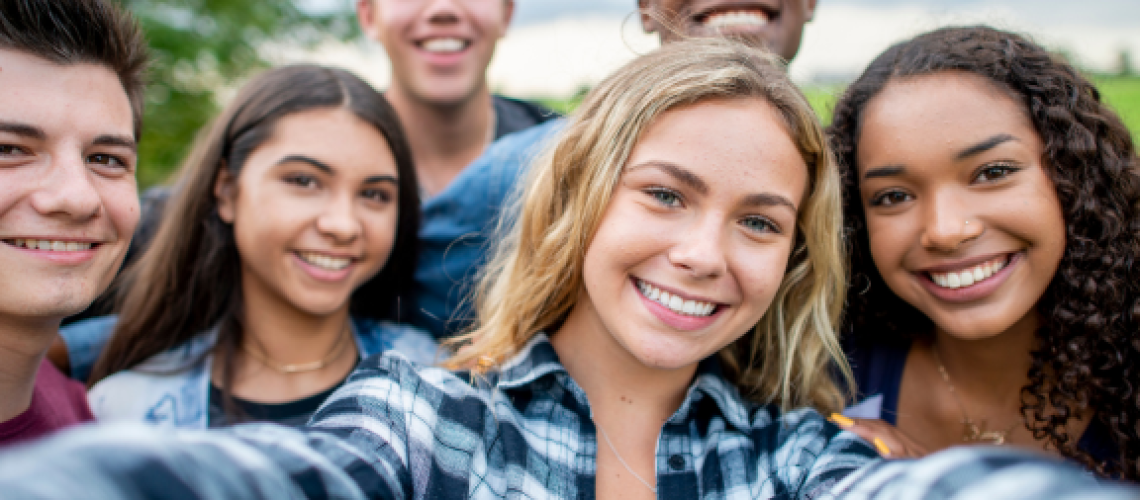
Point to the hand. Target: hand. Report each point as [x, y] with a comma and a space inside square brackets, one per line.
[887, 439]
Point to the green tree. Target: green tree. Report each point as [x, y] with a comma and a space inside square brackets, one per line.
[201, 47]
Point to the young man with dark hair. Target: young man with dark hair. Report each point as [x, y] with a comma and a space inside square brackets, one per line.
[70, 112]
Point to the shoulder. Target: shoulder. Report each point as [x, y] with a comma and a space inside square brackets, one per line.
[377, 336]
[170, 388]
[513, 115]
[805, 451]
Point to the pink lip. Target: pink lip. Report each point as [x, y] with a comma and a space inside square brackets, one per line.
[60, 257]
[677, 321]
[974, 292]
[321, 274]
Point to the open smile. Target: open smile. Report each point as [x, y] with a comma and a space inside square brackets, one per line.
[969, 281]
[443, 45]
[324, 267]
[52, 245]
[675, 309]
[735, 17]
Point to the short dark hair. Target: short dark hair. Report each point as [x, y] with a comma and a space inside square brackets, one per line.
[80, 31]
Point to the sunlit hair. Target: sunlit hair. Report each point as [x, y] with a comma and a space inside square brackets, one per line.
[535, 275]
[1088, 355]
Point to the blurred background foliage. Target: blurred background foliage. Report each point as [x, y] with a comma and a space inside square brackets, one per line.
[202, 48]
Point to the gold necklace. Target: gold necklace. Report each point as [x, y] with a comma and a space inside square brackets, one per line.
[971, 432]
[288, 369]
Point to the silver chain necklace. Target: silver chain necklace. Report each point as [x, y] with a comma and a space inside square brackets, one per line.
[622, 460]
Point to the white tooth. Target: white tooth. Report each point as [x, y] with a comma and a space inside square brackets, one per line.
[84, 246]
[664, 298]
[979, 274]
[689, 307]
[72, 246]
[952, 280]
[709, 309]
[999, 265]
[655, 293]
[43, 245]
[939, 279]
[967, 278]
[443, 45]
[18, 243]
[676, 303]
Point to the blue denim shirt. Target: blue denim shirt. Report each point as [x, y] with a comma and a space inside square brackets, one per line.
[171, 389]
[458, 224]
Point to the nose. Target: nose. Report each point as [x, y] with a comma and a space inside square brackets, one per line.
[700, 251]
[339, 220]
[443, 12]
[949, 224]
[67, 190]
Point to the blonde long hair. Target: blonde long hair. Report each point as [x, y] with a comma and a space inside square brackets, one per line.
[535, 276]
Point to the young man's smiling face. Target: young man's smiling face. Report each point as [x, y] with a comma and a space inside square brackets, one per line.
[439, 49]
[69, 202]
[775, 24]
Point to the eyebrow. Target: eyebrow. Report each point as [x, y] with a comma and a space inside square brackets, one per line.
[888, 171]
[116, 140]
[23, 129]
[984, 146]
[699, 185]
[677, 172]
[769, 200]
[324, 167]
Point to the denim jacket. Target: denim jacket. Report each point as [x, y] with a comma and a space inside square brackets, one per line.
[171, 389]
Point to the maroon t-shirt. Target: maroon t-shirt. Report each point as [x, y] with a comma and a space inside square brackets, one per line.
[57, 402]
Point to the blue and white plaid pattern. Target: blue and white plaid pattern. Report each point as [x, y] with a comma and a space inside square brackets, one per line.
[399, 431]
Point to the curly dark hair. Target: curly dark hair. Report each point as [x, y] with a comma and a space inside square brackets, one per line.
[1088, 353]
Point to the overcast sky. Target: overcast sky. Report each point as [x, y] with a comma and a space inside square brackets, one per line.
[557, 46]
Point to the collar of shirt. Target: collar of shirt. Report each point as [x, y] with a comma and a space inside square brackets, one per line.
[537, 361]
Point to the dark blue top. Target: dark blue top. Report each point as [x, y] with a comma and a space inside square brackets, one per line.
[878, 372]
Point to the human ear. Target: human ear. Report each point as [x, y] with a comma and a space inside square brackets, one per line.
[225, 191]
[366, 16]
[508, 14]
[648, 23]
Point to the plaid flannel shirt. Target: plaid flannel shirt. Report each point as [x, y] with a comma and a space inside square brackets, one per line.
[396, 430]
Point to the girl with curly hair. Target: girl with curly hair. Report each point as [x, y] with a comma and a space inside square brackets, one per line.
[991, 206]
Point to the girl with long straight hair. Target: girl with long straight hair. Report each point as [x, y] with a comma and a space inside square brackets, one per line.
[280, 260]
[994, 207]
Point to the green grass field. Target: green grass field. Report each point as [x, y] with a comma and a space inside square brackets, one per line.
[1121, 93]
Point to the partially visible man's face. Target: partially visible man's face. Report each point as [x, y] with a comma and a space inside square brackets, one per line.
[774, 24]
[68, 202]
[439, 49]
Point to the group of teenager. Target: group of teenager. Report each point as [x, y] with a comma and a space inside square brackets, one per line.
[688, 288]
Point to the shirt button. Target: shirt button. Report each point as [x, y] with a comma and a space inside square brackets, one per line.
[677, 462]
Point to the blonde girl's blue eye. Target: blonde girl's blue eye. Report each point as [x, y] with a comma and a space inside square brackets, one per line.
[759, 224]
[666, 197]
